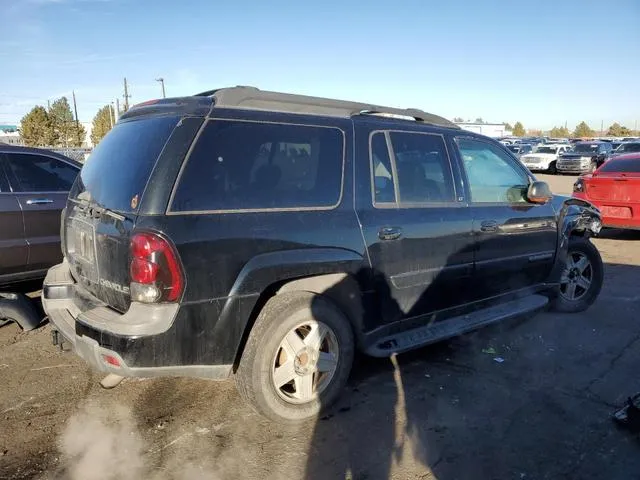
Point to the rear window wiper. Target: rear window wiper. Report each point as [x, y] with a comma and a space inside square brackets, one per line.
[96, 210]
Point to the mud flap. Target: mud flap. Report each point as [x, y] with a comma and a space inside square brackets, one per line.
[20, 309]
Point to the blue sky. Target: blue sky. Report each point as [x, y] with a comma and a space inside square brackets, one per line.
[542, 63]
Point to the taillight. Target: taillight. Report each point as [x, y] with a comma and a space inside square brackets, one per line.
[156, 274]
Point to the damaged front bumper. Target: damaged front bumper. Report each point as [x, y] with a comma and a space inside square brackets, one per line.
[82, 320]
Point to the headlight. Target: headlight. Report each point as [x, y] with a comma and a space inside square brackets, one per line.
[578, 186]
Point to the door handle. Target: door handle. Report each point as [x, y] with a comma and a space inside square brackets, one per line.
[389, 233]
[489, 226]
[39, 201]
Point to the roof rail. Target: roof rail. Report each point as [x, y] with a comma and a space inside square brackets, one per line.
[252, 98]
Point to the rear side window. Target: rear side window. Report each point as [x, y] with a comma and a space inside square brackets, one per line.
[117, 170]
[239, 165]
[420, 163]
[621, 166]
[39, 173]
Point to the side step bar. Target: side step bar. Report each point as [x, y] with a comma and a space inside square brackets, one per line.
[418, 337]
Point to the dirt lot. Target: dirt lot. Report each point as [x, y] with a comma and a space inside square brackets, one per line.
[450, 411]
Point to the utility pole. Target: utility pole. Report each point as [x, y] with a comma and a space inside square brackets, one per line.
[117, 113]
[161, 80]
[75, 109]
[635, 128]
[601, 127]
[48, 105]
[111, 115]
[126, 95]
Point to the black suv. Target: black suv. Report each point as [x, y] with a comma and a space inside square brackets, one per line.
[271, 236]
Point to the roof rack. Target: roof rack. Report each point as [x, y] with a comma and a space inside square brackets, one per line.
[252, 98]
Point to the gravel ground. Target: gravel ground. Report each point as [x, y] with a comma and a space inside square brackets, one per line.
[446, 412]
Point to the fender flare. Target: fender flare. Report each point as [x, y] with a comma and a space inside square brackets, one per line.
[574, 217]
[268, 274]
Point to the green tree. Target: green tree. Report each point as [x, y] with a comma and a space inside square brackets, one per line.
[36, 128]
[617, 130]
[101, 124]
[458, 120]
[67, 132]
[507, 126]
[559, 132]
[479, 120]
[583, 130]
[518, 130]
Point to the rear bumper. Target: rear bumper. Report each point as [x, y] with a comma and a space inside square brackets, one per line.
[93, 330]
[631, 222]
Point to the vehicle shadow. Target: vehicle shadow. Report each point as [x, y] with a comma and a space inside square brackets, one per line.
[420, 415]
[619, 234]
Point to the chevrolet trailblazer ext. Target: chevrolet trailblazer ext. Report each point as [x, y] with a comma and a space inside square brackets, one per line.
[269, 236]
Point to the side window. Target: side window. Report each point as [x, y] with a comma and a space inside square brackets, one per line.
[423, 168]
[246, 165]
[38, 173]
[492, 175]
[384, 189]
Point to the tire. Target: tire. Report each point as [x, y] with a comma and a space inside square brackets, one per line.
[552, 170]
[282, 316]
[584, 297]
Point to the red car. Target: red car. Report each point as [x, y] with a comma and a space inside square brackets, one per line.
[615, 189]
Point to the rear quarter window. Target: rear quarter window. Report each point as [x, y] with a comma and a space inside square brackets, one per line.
[237, 166]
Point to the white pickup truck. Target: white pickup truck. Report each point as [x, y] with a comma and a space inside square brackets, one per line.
[545, 157]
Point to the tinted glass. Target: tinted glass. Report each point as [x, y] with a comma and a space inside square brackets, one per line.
[628, 148]
[384, 189]
[117, 170]
[37, 173]
[621, 166]
[423, 169]
[491, 173]
[246, 165]
[586, 148]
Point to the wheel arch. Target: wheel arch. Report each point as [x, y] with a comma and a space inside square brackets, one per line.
[338, 274]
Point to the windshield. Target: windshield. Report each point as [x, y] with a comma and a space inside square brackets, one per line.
[547, 150]
[628, 148]
[586, 148]
[117, 170]
[621, 166]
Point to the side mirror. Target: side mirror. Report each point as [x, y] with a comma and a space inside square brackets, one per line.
[539, 192]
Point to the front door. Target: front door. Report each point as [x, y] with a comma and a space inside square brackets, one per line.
[515, 239]
[417, 229]
[41, 185]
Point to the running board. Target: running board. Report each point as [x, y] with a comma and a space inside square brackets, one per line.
[418, 337]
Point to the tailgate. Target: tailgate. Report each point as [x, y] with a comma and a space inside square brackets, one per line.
[97, 248]
[104, 201]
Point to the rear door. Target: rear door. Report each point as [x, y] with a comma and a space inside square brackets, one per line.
[13, 246]
[515, 240]
[41, 184]
[416, 226]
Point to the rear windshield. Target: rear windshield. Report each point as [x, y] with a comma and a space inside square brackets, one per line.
[621, 166]
[117, 170]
